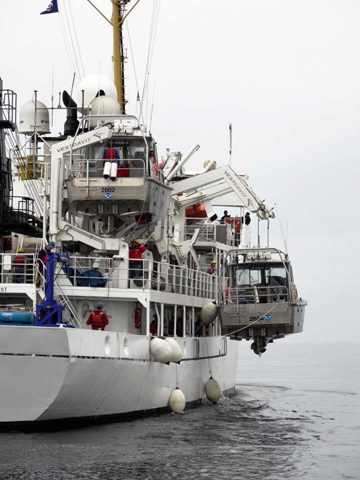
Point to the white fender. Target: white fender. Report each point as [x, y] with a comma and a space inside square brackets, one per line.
[160, 350]
[177, 401]
[208, 314]
[107, 170]
[212, 390]
[113, 171]
[177, 352]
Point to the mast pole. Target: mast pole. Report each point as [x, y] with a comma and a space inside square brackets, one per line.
[118, 55]
[117, 21]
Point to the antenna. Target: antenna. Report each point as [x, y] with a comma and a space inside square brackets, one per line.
[152, 108]
[52, 97]
[72, 86]
[230, 143]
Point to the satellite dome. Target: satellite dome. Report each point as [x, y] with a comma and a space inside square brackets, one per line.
[103, 105]
[27, 117]
[91, 86]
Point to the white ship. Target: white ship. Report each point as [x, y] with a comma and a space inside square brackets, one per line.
[174, 317]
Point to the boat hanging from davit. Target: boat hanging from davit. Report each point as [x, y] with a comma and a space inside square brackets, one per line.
[121, 292]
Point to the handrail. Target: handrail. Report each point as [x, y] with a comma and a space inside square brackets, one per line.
[118, 116]
[77, 170]
[145, 274]
[240, 298]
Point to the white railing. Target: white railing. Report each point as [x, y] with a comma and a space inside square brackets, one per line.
[213, 231]
[241, 297]
[94, 168]
[142, 273]
[112, 273]
[17, 268]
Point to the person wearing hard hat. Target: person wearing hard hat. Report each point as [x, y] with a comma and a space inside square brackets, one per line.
[135, 258]
[98, 319]
[92, 277]
[42, 256]
[212, 268]
[19, 267]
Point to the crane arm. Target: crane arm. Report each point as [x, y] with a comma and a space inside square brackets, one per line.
[210, 185]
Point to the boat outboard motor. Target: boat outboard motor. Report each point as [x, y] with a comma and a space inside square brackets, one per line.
[72, 122]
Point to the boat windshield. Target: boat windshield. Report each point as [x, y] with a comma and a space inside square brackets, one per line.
[273, 275]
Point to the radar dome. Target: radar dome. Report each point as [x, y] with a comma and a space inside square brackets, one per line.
[91, 86]
[27, 118]
[103, 105]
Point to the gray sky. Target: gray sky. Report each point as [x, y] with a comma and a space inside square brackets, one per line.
[285, 73]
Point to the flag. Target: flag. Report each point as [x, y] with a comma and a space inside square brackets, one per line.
[52, 8]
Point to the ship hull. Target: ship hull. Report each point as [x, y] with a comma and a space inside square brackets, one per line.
[63, 376]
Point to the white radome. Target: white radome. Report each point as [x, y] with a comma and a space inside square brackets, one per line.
[103, 105]
[91, 85]
[27, 116]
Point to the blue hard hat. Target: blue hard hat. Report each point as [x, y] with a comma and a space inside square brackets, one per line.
[51, 244]
[99, 305]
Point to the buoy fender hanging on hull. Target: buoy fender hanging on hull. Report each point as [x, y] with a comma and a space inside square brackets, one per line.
[160, 350]
[177, 352]
[208, 313]
[212, 390]
[177, 401]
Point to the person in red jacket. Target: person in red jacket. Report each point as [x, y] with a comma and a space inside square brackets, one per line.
[19, 264]
[98, 319]
[212, 268]
[135, 258]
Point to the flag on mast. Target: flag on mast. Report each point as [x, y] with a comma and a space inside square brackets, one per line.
[52, 8]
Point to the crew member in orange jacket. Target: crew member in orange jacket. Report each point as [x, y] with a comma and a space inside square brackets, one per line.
[98, 319]
[135, 258]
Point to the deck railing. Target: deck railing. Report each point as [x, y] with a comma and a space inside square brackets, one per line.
[78, 271]
[213, 231]
[17, 268]
[94, 168]
[240, 298]
[142, 273]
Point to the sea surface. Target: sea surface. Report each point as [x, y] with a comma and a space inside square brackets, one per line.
[296, 414]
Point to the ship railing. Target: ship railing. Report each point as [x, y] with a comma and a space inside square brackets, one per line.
[94, 168]
[211, 232]
[31, 167]
[17, 268]
[144, 273]
[240, 298]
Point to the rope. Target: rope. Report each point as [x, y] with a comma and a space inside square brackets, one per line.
[153, 31]
[76, 38]
[281, 228]
[207, 352]
[71, 41]
[134, 67]
[252, 323]
[68, 52]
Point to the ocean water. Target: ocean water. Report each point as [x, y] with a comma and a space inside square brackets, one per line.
[296, 414]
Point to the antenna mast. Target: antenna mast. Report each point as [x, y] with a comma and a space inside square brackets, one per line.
[117, 20]
[118, 16]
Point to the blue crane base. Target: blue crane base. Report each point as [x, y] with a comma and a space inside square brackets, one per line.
[49, 313]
